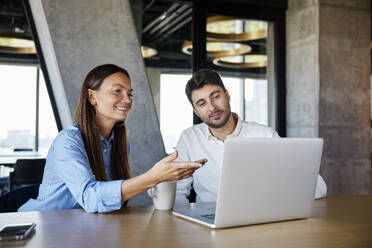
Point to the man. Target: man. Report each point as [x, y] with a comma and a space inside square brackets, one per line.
[211, 103]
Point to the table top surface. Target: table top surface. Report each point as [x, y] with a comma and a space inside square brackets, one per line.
[336, 222]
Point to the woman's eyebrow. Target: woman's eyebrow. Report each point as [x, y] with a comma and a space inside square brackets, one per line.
[121, 86]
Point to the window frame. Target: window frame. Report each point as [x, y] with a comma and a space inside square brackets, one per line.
[42, 64]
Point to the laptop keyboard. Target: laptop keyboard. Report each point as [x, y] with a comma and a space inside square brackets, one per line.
[209, 216]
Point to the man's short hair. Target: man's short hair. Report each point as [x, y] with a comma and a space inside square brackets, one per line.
[201, 78]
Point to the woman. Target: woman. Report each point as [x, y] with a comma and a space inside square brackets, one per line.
[87, 164]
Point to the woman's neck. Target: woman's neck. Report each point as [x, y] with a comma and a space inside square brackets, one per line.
[104, 128]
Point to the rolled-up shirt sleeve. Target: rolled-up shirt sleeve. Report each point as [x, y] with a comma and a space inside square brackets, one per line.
[72, 166]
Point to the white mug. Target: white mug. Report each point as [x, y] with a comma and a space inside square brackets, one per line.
[163, 195]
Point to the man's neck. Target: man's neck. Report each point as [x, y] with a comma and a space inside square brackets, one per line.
[222, 132]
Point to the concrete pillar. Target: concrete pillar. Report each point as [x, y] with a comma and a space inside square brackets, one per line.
[137, 8]
[328, 87]
[82, 34]
[153, 74]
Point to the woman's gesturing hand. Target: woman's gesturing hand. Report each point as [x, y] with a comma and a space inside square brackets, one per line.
[163, 171]
[166, 170]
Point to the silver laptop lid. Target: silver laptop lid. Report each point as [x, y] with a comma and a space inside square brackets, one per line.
[266, 180]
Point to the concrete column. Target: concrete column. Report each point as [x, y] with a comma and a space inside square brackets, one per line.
[86, 33]
[153, 74]
[302, 69]
[137, 7]
[328, 87]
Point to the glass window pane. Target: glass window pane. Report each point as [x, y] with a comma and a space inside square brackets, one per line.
[17, 111]
[175, 109]
[234, 87]
[255, 99]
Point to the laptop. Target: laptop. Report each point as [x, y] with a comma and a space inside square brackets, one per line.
[262, 180]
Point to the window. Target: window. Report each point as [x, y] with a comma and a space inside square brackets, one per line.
[234, 87]
[18, 110]
[255, 100]
[175, 109]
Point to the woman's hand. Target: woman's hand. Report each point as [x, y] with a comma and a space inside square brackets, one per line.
[163, 171]
[166, 170]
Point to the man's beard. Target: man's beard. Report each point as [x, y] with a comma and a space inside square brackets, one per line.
[223, 122]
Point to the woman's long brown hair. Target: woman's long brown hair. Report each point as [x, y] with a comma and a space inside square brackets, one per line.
[84, 117]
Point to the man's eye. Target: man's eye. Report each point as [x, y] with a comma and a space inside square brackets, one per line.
[117, 91]
[130, 95]
[201, 104]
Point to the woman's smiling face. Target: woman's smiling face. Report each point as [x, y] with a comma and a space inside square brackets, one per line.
[113, 100]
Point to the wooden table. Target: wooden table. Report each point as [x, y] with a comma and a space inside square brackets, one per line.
[336, 222]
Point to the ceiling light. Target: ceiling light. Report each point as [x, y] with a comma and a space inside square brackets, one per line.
[217, 49]
[148, 51]
[224, 28]
[247, 61]
[16, 43]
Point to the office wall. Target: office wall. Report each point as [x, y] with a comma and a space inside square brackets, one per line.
[328, 87]
[87, 33]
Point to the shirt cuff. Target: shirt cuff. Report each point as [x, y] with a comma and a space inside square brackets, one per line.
[111, 195]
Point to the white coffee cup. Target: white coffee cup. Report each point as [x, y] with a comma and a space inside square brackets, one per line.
[163, 195]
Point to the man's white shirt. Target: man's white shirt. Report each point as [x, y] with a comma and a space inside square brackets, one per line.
[198, 143]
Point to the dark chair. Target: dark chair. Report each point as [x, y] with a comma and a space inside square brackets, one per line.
[4, 184]
[11, 201]
[26, 172]
[4, 180]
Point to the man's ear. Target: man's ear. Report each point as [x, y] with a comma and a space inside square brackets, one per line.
[195, 112]
[91, 97]
[228, 95]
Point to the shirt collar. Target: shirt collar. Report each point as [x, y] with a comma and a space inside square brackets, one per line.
[238, 127]
[110, 139]
[236, 132]
[207, 132]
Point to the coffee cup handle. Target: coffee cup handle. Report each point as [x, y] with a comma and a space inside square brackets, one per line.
[149, 192]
